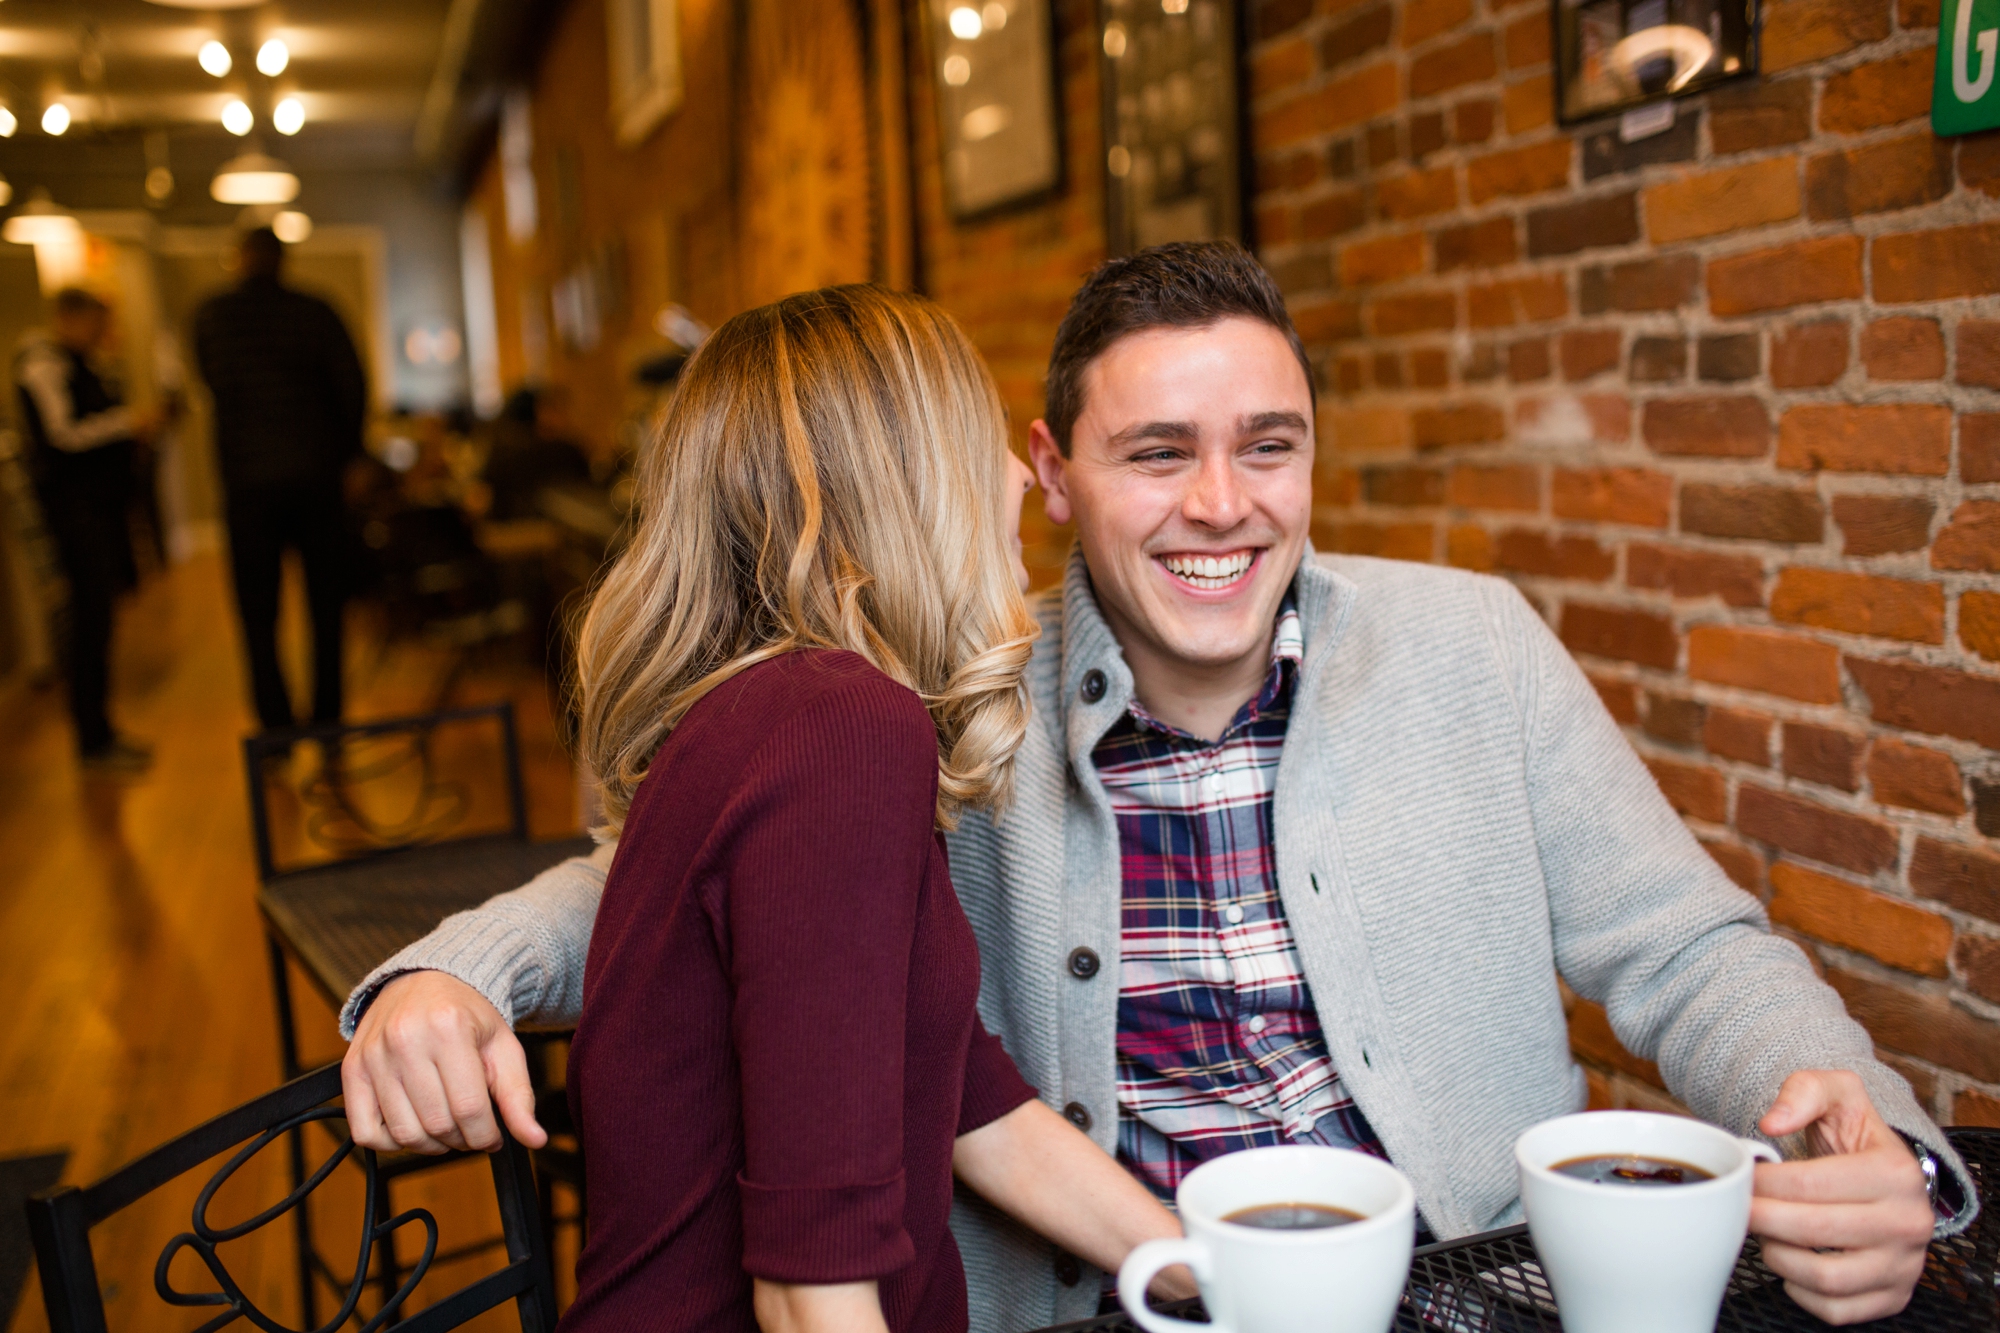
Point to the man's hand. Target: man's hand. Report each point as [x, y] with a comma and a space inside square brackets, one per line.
[1847, 1229]
[423, 1057]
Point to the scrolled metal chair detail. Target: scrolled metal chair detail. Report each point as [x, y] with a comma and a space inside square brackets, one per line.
[60, 1221]
[204, 1238]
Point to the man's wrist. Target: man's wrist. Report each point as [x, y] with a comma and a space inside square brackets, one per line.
[1941, 1184]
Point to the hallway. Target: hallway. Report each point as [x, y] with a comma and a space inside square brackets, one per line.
[132, 967]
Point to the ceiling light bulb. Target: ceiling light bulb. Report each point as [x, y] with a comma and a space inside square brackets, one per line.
[214, 58]
[965, 23]
[7, 123]
[236, 117]
[292, 226]
[6, 191]
[288, 115]
[272, 57]
[56, 119]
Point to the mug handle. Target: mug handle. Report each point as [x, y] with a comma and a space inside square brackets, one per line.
[1763, 1151]
[1143, 1265]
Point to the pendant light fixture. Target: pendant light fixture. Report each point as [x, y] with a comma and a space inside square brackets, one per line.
[254, 178]
[41, 221]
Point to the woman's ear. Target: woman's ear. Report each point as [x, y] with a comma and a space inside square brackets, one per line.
[1051, 471]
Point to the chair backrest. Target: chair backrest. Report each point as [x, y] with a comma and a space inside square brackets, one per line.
[60, 1221]
[335, 784]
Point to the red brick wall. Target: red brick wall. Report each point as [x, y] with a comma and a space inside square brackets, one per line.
[1723, 403]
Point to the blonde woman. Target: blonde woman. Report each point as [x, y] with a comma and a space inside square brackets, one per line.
[807, 663]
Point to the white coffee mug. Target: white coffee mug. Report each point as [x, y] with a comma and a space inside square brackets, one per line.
[1637, 1258]
[1341, 1279]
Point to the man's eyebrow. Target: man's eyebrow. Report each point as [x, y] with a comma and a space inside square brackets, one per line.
[1183, 431]
[1263, 421]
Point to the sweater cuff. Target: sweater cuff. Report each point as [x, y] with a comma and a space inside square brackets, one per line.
[498, 960]
[993, 1086]
[825, 1233]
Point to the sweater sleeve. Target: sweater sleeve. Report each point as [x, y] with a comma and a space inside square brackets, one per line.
[826, 868]
[524, 950]
[993, 1086]
[1646, 923]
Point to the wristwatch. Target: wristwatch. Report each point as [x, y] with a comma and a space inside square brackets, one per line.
[1941, 1187]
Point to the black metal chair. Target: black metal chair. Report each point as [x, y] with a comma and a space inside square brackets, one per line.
[60, 1222]
[337, 920]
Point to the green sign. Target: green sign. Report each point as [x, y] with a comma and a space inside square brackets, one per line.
[1965, 96]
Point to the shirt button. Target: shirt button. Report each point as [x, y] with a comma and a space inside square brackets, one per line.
[1079, 1115]
[1093, 686]
[1256, 1023]
[1083, 963]
[1232, 914]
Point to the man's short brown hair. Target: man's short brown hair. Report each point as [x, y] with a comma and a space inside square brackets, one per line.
[1184, 285]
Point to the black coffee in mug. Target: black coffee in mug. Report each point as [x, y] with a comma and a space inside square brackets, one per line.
[1629, 1170]
[1291, 1216]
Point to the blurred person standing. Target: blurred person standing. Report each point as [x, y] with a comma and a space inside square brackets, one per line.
[82, 440]
[290, 402]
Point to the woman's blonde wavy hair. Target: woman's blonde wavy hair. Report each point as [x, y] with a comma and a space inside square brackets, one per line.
[832, 474]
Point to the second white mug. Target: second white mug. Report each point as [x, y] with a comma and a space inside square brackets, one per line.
[1637, 1258]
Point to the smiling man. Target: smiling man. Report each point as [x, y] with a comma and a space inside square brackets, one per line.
[1299, 849]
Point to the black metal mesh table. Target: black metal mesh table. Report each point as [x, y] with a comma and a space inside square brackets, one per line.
[1491, 1283]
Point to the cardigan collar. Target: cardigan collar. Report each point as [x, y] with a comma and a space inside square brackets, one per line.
[1323, 597]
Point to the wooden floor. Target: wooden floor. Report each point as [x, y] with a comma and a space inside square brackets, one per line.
[135, 999]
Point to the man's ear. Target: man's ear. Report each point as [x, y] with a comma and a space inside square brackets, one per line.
[1051, 471]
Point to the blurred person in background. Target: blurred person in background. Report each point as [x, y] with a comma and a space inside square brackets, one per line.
[290, 402]
[82, 441]
[532, 449]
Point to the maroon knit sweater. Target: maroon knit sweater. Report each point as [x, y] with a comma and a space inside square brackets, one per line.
[778, 1041]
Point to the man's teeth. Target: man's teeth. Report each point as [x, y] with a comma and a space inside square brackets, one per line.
[1209, 571]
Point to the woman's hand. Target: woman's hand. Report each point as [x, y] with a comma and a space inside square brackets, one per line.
[1041, 1170]
[801, 1307]
[429, 1062]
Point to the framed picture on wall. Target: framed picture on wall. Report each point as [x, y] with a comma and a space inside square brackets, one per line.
[1173, 160]
[1614, 55]
[645, 50]
[994, 64]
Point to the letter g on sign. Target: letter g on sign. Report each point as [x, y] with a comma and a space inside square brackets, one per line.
[1962, 97]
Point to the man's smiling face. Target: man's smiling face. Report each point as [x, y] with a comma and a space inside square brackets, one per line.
[1189, 479]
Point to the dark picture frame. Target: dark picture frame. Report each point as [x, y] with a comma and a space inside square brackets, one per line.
[1615, 55]
[1174, 161]
[993, 66]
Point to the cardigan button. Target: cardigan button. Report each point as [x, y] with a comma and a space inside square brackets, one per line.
[1079, 1115]
[1083, 963]
[1069, 1271]
[1093, 686]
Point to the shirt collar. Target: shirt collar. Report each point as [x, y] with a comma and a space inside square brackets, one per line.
[1287, 649]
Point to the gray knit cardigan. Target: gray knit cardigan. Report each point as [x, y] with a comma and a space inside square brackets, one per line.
[1458, 822]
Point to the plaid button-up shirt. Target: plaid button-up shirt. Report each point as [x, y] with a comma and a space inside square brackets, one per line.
[1219, 1047]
